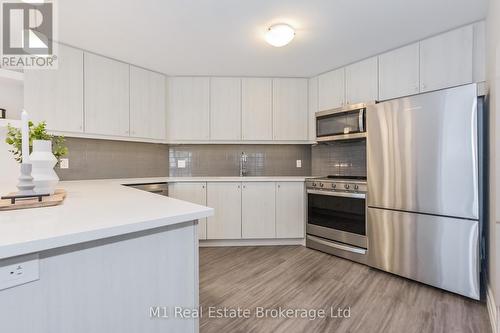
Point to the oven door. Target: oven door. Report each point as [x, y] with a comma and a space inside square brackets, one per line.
[338, 216]
[340, 124]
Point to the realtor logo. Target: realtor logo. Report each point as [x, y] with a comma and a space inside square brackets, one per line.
[27, 35]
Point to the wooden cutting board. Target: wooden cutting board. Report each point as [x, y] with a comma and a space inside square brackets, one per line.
[53, 200]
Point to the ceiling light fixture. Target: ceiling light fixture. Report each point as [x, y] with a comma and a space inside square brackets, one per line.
[280, 34]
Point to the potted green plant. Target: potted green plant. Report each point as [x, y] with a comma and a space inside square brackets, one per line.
[46, 151]
[38, 132]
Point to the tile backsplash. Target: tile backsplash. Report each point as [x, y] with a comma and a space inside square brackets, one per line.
[224, 160]
[345, 158]
[100, 159]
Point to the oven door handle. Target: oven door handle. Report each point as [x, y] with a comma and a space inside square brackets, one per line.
[338, 194]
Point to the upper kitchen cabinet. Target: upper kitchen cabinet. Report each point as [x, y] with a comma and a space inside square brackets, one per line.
[256, 107]
[446, 59]
[331, 90]
[56, 96]
[147, 104]
[290, 109]
[188, 108]
[479, 56]
[106, 96]
[313, 107]
[361, 81]
[225, 108]
[399, 72]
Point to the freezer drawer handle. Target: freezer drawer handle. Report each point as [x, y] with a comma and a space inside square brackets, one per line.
[338, 246]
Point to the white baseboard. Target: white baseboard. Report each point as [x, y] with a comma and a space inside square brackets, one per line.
[252, 242]
[492, 308]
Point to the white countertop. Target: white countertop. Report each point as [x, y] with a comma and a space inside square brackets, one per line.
[92, 210]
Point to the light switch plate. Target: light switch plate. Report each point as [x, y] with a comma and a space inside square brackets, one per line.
[181, 164]
[64, 163]
[19, 270]
[299, 163]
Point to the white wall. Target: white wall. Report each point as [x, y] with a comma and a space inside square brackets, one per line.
[493, 77]
[11, 99]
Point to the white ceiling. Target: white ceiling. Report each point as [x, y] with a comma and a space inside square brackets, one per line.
[225, 37]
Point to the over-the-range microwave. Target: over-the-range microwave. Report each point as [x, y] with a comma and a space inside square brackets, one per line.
[344, 123]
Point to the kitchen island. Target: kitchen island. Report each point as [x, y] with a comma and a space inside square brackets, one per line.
[109, 259]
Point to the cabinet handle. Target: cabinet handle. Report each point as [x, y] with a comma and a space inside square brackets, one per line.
[202, 186]
[238, 186]
[279, 185]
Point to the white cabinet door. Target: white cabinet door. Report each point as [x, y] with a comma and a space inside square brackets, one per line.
[290, 109]
[258, 210]
[195, 193]
[290, 212]
[225, 108]
[399, 72]
[256, 107]
[446, 60]
[225, 199]
[331, 90]
[188, 108]
[313, 107]
[479, 56]
[106, 96]
[147, 104]
[361, 81]
[56, 96]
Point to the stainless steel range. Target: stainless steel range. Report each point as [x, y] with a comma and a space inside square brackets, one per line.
[336, 216]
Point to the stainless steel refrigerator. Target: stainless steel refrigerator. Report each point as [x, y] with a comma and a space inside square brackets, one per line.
[424, 188]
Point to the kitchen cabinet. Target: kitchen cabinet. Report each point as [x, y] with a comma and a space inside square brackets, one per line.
[399, 72]
[446, 60]
[258, 210]
[313, 107]
[331, 90]
[56, 95]
[361, 81]
[225, 199]
[147, 104]
[290, 109]
[479, 56]
[256, 107]
[225, 108]
[106, 96]
[195, 193]
[290, 210]
[188, 108]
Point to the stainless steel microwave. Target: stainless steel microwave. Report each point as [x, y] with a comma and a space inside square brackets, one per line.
[343, 123]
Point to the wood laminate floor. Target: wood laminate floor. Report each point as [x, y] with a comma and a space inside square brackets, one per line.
[295, 277]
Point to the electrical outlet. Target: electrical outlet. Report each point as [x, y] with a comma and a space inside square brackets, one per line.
[64, 163]
[299, 163]
[181, 164]
[19, 270]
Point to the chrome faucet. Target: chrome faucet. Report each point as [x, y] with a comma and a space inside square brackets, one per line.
[243, 164]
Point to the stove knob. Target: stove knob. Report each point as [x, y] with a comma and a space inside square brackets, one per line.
[356, 187]
[346, 186]
[334, 185]
[321, 184]
[314, 184]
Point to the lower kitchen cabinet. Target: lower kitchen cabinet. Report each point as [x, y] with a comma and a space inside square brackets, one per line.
[258, 210]
[225, 199]
[290, 212]
[195, 193]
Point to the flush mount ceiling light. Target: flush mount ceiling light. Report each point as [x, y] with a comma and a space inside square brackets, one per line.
[280, 34]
